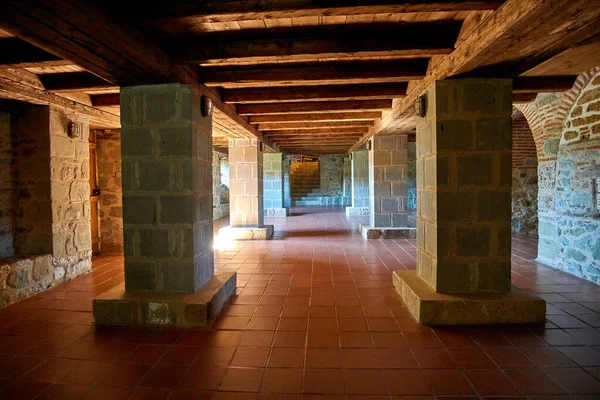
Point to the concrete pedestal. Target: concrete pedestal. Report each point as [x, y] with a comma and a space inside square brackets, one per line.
[247, 232]
[174, 310]
[432, 308]
[370, 232]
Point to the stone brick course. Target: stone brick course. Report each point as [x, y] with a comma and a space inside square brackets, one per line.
[220, 189]
[273, 185]
[524, 177]
[246, 183]
[360, 184]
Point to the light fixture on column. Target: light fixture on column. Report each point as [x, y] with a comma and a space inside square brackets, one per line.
[419, 108]
[74, 129]
[206, 106]
[261, 146]
[368, 145]
[350, 156]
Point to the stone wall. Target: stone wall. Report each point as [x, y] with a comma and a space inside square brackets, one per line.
[70, 194]
[273, 190]
[110, 202]
[412, 176]
[246, 183]
[287, 181]
[332, 172]
[6, 187]
[524, 177]
[220, 190]
[347, 184]
[360, 184]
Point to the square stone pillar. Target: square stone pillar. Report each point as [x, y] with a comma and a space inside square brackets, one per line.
[246, 216]
[347, 181]
[273, 185]
[388, 189]
[464, 209]
[287, 183]
[166, 148]
[360, 184]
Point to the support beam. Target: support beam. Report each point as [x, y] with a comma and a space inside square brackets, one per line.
[542, 84]
[112, 50]
[318, 131]
[523, 97]
[308, 125]
[351, 116]
[20, 91]
[333, 92]
[314, 107]
[314, 44]
[358, 72]
[223, 11]
[16, 53]
[106, 100]
[74, 82]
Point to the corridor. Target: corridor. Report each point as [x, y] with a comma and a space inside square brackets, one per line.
[315, 316]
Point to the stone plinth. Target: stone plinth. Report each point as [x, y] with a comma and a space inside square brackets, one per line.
[429, 307]
[181, 310]
[247, 233]
[277, 212]
[370, 232]
[357, 211]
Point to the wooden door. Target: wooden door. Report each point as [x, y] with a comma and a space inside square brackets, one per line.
[94, 192]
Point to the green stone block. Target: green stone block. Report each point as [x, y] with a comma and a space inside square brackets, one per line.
[177, 209]
[160, 107]
[138, 209]
[474, 170]
[493, 134]
[176, 276]
[140, 275]
[454, 135]
[136, 142]
[454, 206]
[454, 276]
[175, 141]
[153, 175]
[154, 242]
[473, 241]
[479, 97]
[494, 206]
[494, 277]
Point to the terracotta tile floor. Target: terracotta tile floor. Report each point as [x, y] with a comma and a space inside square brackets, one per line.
[315, 317]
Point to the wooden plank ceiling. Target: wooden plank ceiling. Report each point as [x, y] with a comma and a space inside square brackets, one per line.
[305, 76]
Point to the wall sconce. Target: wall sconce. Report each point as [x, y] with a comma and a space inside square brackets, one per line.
[350, 156]
[261, 146]
[369, 145]
[74, 130]
[419, 106]
[206, 106]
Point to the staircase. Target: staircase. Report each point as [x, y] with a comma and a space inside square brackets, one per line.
[306, 182]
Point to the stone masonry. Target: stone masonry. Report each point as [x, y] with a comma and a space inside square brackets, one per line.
[273, 185]
[110, 202]
[347, 199]
[287, 181]
[360, 184]
[524, 177]
[388, 167]
[6, 187]
[220, 189]
[464, 187]
[167, 189]
[331, 174]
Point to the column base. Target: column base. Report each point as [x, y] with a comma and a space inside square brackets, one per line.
[370, 232]
[247, 233]
[431, 308]
[277, 212]
[174, 310]
[357, 211]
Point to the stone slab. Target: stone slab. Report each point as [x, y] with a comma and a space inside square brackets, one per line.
[370, 232]
[247, 233]
[175, 310]
[277, 212]
[357, 211]
[431, 308]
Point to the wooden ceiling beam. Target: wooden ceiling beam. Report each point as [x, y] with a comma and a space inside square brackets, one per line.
[17, 53]
[74, 82]
[332, 92]
[313, 107]
[225, 11]
[356, 72]
[81, 31]
[351, 116]
[106, 100]
[518, 98]
[318, 131]
[310, 125]
[314, 44]
[547, 84]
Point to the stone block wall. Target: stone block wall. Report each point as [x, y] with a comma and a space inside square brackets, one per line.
[347, 181]
[220, 190]
[388, 174]
[246, 183]
[360, 183]
[166, 148]
[411, 148]
[331, 174]
[23, 276]
[110, 202]
[464, 186]
[524, 177]
[287, 181]
[273, 190]
[6, 187]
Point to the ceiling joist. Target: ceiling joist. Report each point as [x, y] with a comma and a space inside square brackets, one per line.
[349, 116]
[272, 126]
[314, 107]
[75, 81]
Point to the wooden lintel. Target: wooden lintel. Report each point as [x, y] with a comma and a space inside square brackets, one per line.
[309, 125]
[334, 73]
[311, 44]
[331, 92]
[106, 100]
[542, 84]
[313, 107]
[318, 131]
[349, 116]
[210, 11]
[518, 98]
[74, 82]
[24, 92]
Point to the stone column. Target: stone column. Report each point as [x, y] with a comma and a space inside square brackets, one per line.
[287, 183]
[360, 184]
[388, 189]
[347, 181]
[464, 209]
[246, 216]
[166, 148]
[273, 185]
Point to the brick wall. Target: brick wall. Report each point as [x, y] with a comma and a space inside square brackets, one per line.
[110, 204]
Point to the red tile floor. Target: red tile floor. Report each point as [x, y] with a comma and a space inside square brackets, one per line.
[315, 317]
